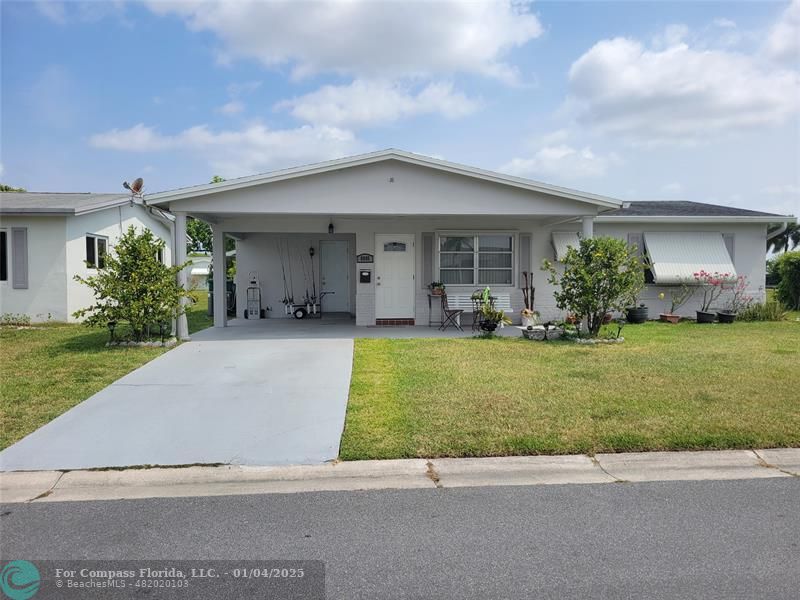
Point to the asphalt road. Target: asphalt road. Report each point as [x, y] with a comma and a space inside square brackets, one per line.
[709, 539]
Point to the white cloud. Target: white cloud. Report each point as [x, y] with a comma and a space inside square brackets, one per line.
[364, 38]
[783, 42]
[55, 11]
[63, 12]
[238, 152]
[671, 36]
[562, 162]
[679, 93]
[368, 102]
[234, 107]
[724, 23]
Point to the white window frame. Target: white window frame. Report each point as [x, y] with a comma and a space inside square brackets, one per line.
[96, 237]
[476, 252]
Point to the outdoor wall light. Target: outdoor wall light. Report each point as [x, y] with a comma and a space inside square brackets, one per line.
[330, 228]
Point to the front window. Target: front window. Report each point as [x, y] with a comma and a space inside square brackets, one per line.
[3, 256]
[96, 250]
[476, 259]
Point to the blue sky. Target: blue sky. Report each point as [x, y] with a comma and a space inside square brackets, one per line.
[662, 100]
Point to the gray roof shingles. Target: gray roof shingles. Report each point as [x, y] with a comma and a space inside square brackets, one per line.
[56, 202]
[682, 208]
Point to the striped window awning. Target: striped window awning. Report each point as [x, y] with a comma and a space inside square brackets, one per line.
[562, 240]
[676, 256]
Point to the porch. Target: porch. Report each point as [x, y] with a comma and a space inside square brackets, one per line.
[333, 326]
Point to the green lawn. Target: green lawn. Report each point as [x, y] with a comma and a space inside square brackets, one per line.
[668, 387]
[47, 369]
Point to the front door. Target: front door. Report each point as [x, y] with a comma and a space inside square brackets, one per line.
[334, 275]
[394, 276]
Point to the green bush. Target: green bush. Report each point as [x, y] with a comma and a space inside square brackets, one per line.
[602, 275]
[134, 287]
[763, 311]
[788, 267]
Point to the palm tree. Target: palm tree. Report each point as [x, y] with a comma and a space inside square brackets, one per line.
[788, 240]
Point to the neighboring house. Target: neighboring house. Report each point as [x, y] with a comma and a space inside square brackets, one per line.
[386, 224]
[48, 238]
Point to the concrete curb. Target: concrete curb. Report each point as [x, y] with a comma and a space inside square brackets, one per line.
[56, 486]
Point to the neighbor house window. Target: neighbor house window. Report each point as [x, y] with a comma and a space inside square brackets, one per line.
[160, 255]
[3, 256]
[96, 250]
[476, 259]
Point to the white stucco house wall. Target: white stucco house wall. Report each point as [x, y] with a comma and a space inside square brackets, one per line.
[47, 238]
[384, 225]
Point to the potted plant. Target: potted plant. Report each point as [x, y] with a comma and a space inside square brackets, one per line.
[529, 317]
[492, 318]
[739, 300]
[437, 288]
[712, 285]
[637, 313]
[678, 297]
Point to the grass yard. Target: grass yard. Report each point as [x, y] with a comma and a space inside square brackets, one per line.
[667, 387]
[47, 369]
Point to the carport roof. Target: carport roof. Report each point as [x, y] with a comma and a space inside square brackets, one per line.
[374, 157]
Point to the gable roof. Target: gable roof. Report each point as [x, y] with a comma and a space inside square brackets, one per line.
[375, 157]
[682, 210]
[57, 203]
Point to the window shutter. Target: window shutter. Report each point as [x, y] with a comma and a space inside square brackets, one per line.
[729, 244]
[427, 260]
[524, 257]
[19, 258]
[635, 239]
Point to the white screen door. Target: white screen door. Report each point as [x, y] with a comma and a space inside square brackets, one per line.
[394, 276]
[334, 275]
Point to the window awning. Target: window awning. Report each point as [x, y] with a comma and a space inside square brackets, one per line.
[563, 239]
[676, 256]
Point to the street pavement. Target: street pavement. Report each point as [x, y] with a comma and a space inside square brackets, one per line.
[668, 539]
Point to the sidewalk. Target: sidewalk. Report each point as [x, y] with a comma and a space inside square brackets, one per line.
[54, 486]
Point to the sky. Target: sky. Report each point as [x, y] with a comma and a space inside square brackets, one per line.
[634, 100]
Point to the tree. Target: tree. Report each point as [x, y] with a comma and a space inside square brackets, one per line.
[788, 240]
[134, 287]
[199, 234]
[788, 267]
[601, 275]
[8, 188]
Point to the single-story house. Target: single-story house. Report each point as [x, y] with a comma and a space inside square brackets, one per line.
[384, 225]
[48, 238]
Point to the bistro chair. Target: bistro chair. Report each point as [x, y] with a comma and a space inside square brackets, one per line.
[451, 316]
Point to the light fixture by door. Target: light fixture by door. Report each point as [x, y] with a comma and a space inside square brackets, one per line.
[330, 228]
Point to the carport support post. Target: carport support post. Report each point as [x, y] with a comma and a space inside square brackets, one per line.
[180, 257]
[220, 279]
[588, 227]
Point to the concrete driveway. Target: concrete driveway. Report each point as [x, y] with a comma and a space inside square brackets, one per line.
[238, 401]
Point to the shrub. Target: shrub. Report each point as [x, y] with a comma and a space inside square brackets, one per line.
[134, 286]
[601, 275]
[14, 319]
[763, 311]
[788, 267]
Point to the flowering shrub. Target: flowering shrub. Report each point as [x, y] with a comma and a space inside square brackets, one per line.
[712, 285]
[678, 296]
[739, 299]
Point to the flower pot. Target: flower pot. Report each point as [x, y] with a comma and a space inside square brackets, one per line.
[437, 292]
[669, 318]
[706, 317]
[488, 326]
[726, 317]
[636, 314]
